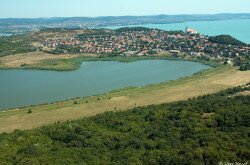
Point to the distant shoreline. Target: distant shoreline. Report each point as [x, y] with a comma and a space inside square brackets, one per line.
[200, 26]
[30, 24]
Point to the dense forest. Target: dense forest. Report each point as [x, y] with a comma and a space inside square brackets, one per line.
[205, 130]
[226, 39]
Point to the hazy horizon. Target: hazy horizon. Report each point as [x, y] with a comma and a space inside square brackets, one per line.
[113, 16]
[99, 8]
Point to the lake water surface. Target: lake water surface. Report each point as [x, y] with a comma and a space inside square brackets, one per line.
[31, 87]
[238, 28]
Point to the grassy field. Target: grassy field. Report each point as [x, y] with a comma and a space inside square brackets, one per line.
[69, 62]
[206, 82]
[41, 60]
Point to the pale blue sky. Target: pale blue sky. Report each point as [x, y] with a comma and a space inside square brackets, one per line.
[69, 8]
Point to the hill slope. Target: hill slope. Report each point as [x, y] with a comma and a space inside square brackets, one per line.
[205, 130]
[226, 39]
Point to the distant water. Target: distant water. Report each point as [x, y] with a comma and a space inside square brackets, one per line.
[26, 87]
[5, 34]
[239, 28]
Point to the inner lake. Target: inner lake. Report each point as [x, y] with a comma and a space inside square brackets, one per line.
[31, 87]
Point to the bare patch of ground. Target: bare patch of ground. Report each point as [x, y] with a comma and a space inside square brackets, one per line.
[207, 115]
[119, 98]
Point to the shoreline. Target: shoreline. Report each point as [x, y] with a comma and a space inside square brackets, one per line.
[118, 59]
[72, 64]
[206, 82]
[151, 25]
[106, 93]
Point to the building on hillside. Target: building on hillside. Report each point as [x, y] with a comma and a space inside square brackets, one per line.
[129, 53]
[191, 31]
[174, 52]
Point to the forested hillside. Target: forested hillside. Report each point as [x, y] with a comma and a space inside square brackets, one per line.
[203, 130]
[226, 39]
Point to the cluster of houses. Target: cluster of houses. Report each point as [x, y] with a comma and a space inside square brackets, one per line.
[52, 43]
[147, 42]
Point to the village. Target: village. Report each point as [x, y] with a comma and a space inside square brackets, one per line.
[144, 41]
